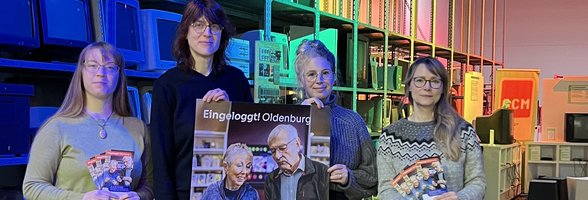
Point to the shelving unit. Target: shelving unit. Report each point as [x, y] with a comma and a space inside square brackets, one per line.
[209, 148]
[555, 159]
[320, 149]
[502, 166]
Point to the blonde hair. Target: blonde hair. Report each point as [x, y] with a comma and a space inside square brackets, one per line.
[446, 133]
[233, 150]
[308, 50]
[74, 101]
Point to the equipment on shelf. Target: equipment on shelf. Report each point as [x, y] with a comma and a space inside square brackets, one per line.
[268, 59]
[238, 55]
[134, 102]
[119, 23]
[553, 188]
[576, 127]
[501, 121]
[14, 118]
[24, 32]
[159, 28]
[66, 23]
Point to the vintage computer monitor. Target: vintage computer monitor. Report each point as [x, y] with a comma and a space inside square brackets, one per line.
[119, 23]
[553, 188]
[501, 121]
[362, 61]
[160, 29]
[134, 101]
[146, 99]
[66, 23]
[576, 127]
[23, 33]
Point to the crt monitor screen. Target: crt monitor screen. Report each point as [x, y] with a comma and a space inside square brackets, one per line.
[22, 32]
[167, 32]
[127, 27]
[118, 22]
[160, 29]
[66, 23]
[576, 127]
[501, 121]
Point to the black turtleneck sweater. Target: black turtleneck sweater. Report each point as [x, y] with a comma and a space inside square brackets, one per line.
[172, 123]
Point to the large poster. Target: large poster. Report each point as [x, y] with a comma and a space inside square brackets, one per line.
[220, 124]
[518, 89]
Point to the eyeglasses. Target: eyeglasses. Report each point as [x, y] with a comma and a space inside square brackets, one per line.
[420, 82]
[282, 147]
[199, 27]
[93, 67]
[325, 74]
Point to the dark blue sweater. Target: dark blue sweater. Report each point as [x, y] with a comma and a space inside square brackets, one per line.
[172, 123]
[352, 146]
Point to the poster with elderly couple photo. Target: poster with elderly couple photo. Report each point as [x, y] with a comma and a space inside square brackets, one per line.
[281, 141]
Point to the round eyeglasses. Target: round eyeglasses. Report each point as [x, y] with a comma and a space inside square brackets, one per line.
[420, 82]
[282, 148]
[325, 74]
[93, 67]
[199, 27]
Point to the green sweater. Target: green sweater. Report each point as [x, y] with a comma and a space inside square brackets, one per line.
[404, 142]
[57, 163]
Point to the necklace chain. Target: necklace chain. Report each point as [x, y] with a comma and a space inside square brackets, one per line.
[101, 123]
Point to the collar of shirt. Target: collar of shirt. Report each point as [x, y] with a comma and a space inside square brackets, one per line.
[300, 168]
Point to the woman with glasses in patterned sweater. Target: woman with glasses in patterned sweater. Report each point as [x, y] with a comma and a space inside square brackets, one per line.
[433, 131]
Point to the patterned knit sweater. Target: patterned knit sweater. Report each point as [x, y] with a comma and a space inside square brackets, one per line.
[352, 146]
[404, 142]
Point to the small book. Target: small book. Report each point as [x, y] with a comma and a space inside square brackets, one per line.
[421, 180]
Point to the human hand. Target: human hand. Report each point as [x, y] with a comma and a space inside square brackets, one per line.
[310, 101]
[339, 174]
[129, 196]
[215, 95]
[99, 195]
[447, 196]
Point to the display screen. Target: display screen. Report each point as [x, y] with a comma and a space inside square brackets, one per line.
[127, 27]
[166, 30]
[581, 126]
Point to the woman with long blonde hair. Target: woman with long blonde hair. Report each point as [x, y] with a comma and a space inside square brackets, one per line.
[93, 118]
[433, 131]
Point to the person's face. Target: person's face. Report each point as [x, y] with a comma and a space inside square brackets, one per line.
[425, 87]
[318, 78]
[128, 162]
[203, 38]
[425, 175]
[99, 74]
[113, 166]
[285, 150]
[239, 169]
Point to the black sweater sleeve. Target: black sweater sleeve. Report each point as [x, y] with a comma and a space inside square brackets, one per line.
[162, 140]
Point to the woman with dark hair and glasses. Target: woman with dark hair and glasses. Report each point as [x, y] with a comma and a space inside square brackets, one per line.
[94, 117]
[353, 156]
[201, 72]
[434, 129]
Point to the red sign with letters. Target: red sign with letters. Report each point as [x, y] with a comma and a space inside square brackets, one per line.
[519, 93]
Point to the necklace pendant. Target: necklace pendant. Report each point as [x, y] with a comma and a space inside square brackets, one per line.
[102, 134]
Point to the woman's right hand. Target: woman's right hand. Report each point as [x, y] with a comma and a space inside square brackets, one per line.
[99, 195]
[314, 100]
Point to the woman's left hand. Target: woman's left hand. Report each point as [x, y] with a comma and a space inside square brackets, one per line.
[129, 196]
[339, 174]
[215, 95]
[447, 196]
